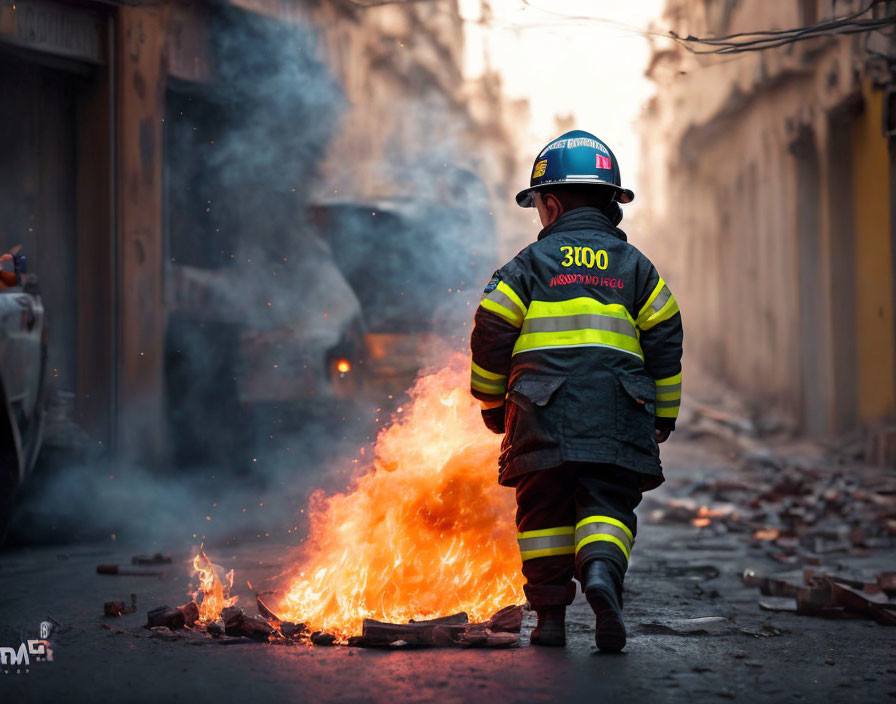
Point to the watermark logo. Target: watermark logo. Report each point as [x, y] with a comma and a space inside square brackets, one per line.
[18, 660]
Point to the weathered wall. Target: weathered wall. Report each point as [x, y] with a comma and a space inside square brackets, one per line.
[412, 128]
[769, 173]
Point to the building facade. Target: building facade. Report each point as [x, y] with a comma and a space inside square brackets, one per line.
[134, 135]
[770, 180]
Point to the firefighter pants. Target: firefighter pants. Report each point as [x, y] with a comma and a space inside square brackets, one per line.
[568, 516]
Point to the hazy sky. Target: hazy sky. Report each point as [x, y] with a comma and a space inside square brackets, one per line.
[591, 69]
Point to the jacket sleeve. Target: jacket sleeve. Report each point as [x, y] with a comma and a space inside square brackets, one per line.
[659, 323]
[496, 328]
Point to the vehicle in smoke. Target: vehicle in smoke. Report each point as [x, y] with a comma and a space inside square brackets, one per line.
[239, 351]
[413, 265]
[23, 359]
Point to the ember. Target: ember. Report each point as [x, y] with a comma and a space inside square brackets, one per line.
[424, 533]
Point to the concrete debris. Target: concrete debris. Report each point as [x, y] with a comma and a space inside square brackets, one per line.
[238, 623]
[215, 628]
[826, 594]
[793, 503]
[173, 618]
[119, 608]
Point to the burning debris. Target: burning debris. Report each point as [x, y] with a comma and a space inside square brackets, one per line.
[425, 532]
[500, 631]
[213, 595]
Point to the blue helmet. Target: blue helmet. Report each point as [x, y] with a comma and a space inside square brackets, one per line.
[573, 158]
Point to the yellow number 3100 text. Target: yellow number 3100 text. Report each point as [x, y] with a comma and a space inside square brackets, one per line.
[585, 256]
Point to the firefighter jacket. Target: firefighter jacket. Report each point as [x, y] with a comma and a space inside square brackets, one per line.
[579, 340]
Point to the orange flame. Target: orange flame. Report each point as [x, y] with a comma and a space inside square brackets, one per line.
[343, 366]
[426, 532]
[215, 591]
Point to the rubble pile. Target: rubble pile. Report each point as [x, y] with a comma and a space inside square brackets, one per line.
[795, 515]
[799, 505]
[796, 504]
[820, 593]
[501, 631]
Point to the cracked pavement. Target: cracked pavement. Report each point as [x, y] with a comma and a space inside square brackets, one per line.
[695, 633]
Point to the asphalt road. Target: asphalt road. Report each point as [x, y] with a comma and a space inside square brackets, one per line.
[736, 652]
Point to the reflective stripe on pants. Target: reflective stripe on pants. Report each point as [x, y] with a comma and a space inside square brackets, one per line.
[604, 529]
[547, 542]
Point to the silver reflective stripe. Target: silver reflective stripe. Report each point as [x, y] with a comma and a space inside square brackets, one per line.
[503, 299]
[668, 404]
[584, 531]
[662, 389]
[584, 321]
[488, 382]
[546, 542]
[661, 299]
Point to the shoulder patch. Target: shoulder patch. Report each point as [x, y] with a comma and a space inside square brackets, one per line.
[493, 284]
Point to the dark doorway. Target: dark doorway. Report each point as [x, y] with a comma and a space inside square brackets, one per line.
[816, 395]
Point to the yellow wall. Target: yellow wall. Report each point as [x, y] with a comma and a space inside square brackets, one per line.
[874, 277]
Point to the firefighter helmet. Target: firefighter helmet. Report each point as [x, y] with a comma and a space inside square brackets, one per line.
[576, 157]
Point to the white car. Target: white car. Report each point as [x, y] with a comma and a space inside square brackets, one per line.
[23, 357]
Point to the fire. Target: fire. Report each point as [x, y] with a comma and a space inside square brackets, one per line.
[215, 591]
[425, 532]
[343, 366]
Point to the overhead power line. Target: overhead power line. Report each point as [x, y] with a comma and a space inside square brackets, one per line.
[772, 38]
[742, 42]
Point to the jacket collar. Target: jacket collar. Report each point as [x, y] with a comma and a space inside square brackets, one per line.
[586, 218]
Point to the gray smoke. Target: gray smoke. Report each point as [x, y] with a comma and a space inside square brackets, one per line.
[265, 283]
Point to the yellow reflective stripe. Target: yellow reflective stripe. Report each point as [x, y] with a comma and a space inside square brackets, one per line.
[671, 396]
[618, 332]
[667, 411]
[669, 380]
[565, 530]
[607, 519]
[546, 542]
[670, 309]
[512, 295]
[547, 552]
[511, 316]
[646, 311]
[578, 338]
[486, 374]
[668, 396]
[603, 538]
[583, 305]
[661, 305]
[505, 303]
[486, 388]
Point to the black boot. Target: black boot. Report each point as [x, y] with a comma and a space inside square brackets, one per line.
[603, 595]
[551, 628]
